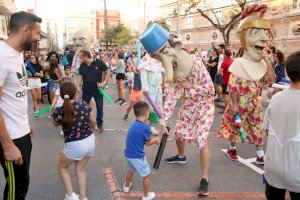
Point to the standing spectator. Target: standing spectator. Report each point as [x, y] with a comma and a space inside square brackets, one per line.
[279, 65]
[90, 73]
[34, 80]
[55, 77]
[70, 55]
[15, 134]
[282, 124]
[225, 75]
[120, 77]
[213, 67]
[218, 77]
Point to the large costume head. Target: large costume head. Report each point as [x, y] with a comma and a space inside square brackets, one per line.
[254, 31]
[167, 49]
[82, 40]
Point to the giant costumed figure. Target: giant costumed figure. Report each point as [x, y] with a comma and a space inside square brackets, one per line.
[242, 120]
[82, 40]
[188, 78]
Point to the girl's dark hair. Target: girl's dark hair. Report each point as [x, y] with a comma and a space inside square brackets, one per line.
[53, 63]
[56, 55]
[280, 56]
[121, 55]
[293, 66]
[227, 53]
[216, 51]
[36, 58]
[67, 92]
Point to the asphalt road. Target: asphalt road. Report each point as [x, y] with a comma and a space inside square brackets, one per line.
[225, 175]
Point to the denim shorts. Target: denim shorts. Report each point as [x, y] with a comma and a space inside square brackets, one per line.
[53, 85]
[140, 166]
[77, 150]
[218, 79]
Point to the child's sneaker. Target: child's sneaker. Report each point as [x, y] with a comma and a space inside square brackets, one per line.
[118, 100]
[73, 196]
[126, 189]
[260, 160]
[123, 102]
[151, 195]
[203, 189]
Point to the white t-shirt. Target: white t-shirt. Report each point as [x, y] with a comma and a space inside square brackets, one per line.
[13, 80]
[282, 159]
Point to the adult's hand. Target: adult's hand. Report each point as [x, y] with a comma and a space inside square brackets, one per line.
[31, 132]
[13, 154]
[101, 85]
[163, 129]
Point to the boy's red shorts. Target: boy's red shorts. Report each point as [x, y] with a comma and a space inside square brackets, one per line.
[136, 95]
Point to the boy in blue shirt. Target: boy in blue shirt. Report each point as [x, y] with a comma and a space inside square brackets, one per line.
[138, 135]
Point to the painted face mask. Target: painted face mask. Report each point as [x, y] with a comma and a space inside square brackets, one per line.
[167, 49]
[254, 33]
[82, 40]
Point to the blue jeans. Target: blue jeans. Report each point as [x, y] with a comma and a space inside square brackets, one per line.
[99, 104]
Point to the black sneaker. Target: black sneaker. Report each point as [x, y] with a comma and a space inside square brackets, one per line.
[118, 100]
[203, 189]
[126, 117]
[123, 102]
[176, 159]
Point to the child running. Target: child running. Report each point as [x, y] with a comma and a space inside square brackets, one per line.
[138, 135]
[282, 123]
[136, 92]
[76, 120]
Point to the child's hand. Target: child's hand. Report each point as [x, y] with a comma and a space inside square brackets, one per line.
[157, 140]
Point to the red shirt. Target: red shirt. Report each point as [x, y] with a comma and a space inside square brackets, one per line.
[225, 66]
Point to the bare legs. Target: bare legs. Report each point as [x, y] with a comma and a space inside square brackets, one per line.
[36, 97]
[62, 167]
[130, 107]
[146, 182]
[120, 89]
[204, 157]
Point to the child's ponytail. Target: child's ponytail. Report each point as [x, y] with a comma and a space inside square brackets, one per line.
[67, 92]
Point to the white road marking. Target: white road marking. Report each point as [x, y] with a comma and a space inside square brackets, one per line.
[248, 163]
[114, 129]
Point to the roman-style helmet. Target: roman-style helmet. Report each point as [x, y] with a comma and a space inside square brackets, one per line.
[252, 18]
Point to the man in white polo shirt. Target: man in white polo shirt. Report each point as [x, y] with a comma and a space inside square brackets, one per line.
[15, 132]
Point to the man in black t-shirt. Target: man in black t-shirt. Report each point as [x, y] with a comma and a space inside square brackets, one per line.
[90, 74]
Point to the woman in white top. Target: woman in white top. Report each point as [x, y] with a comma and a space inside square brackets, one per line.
[282, 123]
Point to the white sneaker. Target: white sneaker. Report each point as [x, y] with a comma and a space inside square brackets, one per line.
[82, 199]
[126, 189]
[151, 195]
[73, 196]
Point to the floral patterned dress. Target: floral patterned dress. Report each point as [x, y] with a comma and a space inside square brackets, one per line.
[151, 79]
[249, 109]
[196, 115]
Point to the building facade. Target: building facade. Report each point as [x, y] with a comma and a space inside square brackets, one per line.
[7, 8]
[197, 32]
[113, 19]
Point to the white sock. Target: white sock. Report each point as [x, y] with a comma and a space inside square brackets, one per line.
[232, 148]
[180, 156]
[260, 153]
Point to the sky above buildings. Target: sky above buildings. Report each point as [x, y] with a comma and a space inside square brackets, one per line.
[62, 8]
[58, 10]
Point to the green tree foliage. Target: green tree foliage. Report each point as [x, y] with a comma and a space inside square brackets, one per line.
[119, 35]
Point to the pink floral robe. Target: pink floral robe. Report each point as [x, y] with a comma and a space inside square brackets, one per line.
[196, 115]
